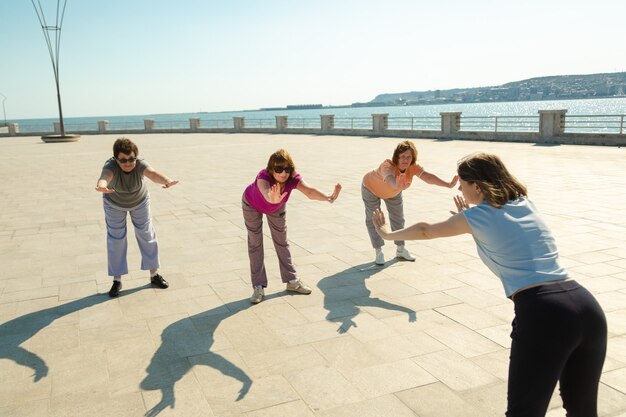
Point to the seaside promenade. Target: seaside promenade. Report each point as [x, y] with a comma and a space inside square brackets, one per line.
[428, 338]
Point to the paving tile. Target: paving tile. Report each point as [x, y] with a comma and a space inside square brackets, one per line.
[387, 405]
[290, 409]
[454, 370]
[388, 378]
[430, 400]
[324, 388]
[463, 340]
[469, 316]
[36, 408]
[347, 353]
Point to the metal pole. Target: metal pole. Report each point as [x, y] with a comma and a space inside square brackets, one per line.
[53, 50]
[3, 109]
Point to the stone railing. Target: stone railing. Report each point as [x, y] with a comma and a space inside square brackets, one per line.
[550, 126]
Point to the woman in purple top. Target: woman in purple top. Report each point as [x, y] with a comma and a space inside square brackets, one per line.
[268, 195]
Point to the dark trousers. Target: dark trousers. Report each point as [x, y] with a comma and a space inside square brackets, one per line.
[559, 334]
[278, 229]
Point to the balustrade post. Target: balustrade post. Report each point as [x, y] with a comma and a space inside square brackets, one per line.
[380, 122]
[14, 129]
[551, 122]
[148, 125]
[327, 122]
[450, 122]
[239, 123]
[103, 126]
[194, 123]
[281, 122]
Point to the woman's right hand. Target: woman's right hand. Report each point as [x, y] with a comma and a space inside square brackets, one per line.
[105, 190]
[401, 183]
[274, 195]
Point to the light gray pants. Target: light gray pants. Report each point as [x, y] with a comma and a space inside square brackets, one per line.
[396, 215]
[278, 228]
[117, 244]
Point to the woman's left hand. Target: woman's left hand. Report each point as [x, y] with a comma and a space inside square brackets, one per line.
[460, 203]
[335, 194]
[378, 218]
[452, 183]
[170, 184]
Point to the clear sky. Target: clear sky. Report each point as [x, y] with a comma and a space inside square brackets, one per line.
[127, 57]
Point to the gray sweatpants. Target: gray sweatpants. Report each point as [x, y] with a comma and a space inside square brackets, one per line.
[396, 215]
[278, 228]
[117, 244]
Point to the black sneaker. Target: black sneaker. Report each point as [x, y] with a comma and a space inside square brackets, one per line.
[115, 289]
[159, 281]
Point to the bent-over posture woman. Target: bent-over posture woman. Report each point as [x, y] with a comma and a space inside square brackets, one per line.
[126, 193]
[268, 195]
[559, 331]
[387, 183]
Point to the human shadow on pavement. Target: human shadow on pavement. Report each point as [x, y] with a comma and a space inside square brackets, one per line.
[187, 343]
[17, 331]
[345, 291]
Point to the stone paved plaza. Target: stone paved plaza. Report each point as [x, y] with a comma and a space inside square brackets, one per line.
[427, 339]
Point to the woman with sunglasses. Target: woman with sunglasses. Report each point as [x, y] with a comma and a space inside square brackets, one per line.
[387, 183]
[125, 192]
[268, 195]
[559, 331]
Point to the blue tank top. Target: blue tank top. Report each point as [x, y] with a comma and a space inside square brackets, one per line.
[515, 244]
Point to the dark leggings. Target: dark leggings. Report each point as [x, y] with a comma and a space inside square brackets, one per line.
[559, 334]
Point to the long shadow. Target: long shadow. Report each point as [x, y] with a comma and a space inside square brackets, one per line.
[192, 337]
[15, 332]
[345, 291]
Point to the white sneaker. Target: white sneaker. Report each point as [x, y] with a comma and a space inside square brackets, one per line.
[257, 295]
[299, 287]
[380, 258]
[403, 253]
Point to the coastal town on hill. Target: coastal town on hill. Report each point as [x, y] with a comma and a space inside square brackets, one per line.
[558, 87]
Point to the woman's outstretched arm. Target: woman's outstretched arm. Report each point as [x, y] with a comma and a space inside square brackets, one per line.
[155, 176]
[315, 194]
[455, 225]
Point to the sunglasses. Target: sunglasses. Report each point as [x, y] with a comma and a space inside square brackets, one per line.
[279, 170]
[126, 161]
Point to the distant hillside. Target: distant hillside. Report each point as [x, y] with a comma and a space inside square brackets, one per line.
[558, 87]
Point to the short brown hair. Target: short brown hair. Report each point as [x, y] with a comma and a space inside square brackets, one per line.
[403, 147]
[126, 146]
[281, 157]
[495, 181]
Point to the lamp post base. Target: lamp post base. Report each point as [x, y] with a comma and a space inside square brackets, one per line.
[60, 138]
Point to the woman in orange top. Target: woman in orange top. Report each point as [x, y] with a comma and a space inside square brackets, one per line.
[387, 183]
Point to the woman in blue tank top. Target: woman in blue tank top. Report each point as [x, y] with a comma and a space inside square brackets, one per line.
[559, 331]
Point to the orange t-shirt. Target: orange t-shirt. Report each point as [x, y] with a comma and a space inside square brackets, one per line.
[375, 180]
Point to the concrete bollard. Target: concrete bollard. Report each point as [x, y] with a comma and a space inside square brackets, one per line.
[380, 122]
[14, 129]
[194, 123]
[103, 126]
[148, 124]
[281, 122]
[551, 122]
[239, 123]
[327, 122]
[450, 122]
[57, 127]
